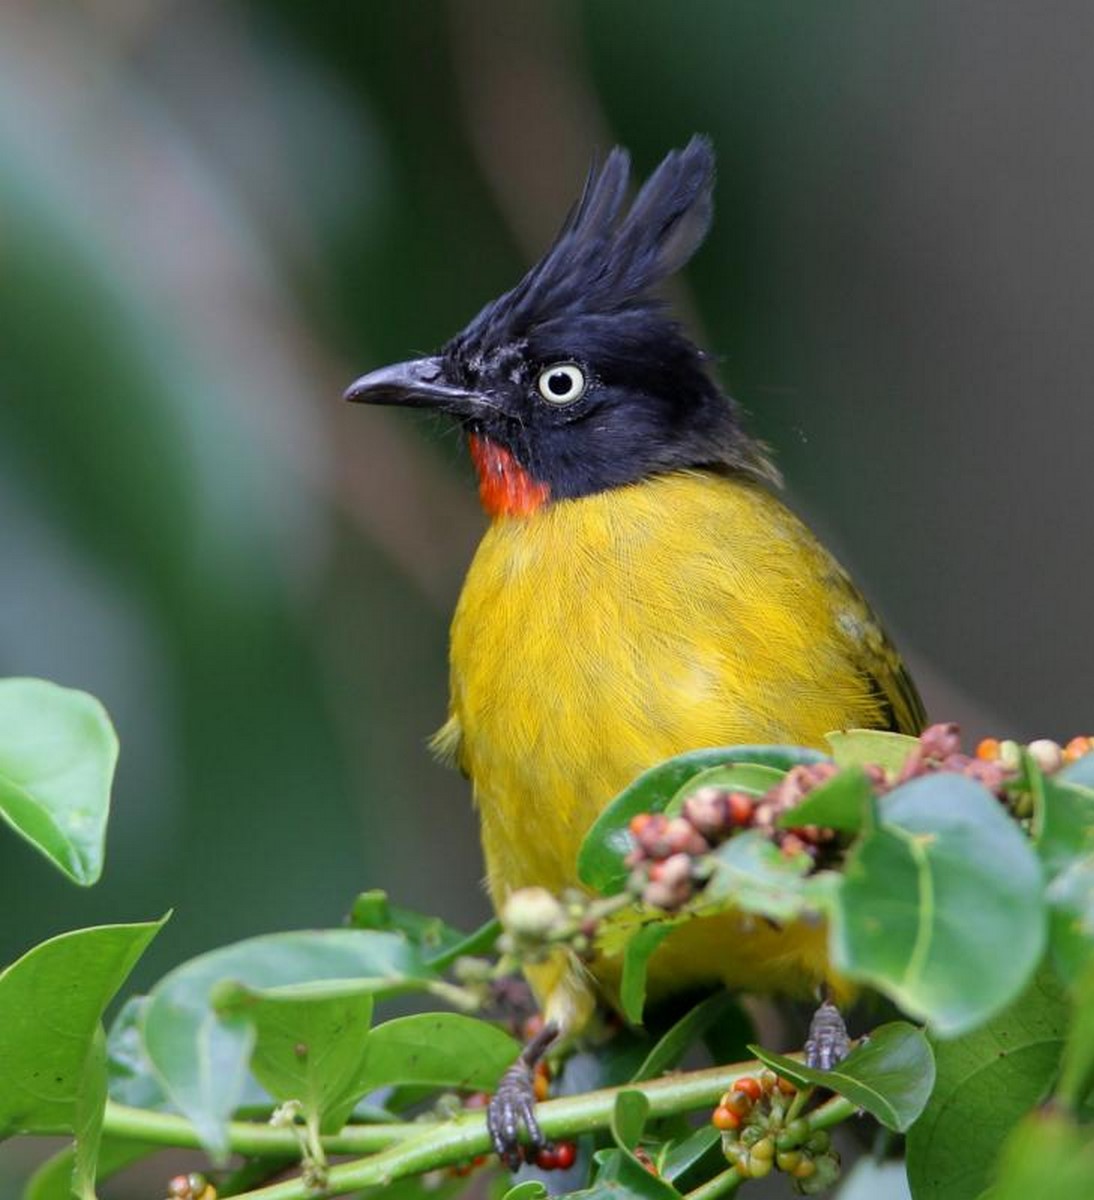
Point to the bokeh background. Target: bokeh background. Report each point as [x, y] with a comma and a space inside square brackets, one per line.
[215, 213]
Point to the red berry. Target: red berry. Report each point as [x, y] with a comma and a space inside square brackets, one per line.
[547, 1159]
[750, 1087]
[565, 1154]
[740, 808]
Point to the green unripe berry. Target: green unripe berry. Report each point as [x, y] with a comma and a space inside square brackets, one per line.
[794, 1134]
[764, 1148]
[759, 1167]
[787, 1160]
[818, 1142]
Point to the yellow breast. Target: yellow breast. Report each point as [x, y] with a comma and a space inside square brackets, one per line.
[601, 635]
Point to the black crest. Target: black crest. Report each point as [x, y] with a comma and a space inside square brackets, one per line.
[607, 258]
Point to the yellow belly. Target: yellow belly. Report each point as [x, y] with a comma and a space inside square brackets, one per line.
[602, 635]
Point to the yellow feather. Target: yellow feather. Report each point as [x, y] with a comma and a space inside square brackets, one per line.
[598, 636]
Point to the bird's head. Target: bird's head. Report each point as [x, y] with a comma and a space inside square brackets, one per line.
[580, 379]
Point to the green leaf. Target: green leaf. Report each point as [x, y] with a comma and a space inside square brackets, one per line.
[1080, 772]
[752, 874]
[703, 1146]
[309, 1043]
[636, 958]
[479, 941]
[600, 861]
[434, 938]
[890, 1075]
[51, 1006]
[869, 1179]
[844, 802]
[1070, 899]
[57, 756]
[986, 1082]
[437, 1049]
[753, 779]
[620, 1176]
[130, 1077]
[530, 1189]
[941, 907]
[860, 747]
[1046, 1155]
[689, 1029]
[629, 1115]
[1063, 824]
[1077, 1075]
[201, 1058]
[54, 1178]
[88, 1123]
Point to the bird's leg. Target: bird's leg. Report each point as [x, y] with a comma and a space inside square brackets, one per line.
[828, 1042]
[513, 1104]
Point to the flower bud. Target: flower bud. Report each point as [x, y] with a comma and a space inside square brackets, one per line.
[531, 913]
[1047, 754]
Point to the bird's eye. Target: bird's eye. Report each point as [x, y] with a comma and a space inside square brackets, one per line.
[562, 384]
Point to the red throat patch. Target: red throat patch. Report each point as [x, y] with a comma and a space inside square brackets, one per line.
[505, 487]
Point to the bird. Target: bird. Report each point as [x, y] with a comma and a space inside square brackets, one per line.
[641, 589]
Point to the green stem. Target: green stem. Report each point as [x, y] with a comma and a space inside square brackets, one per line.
[398, 1150]
[248, 1137]
[720, 1185]
[801, 1099]
[465, 1137]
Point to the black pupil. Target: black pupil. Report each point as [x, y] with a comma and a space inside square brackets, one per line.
[559, 383]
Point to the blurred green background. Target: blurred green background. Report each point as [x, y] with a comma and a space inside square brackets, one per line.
[214, 214]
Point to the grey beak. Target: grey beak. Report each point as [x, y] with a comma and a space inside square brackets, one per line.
[420, 383]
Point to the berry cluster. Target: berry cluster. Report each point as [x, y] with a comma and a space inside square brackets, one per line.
[191, 1187]
[666, 862]
[761, 1132]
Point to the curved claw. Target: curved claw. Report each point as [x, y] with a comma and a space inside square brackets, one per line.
[513, 1105]
[828, 1042]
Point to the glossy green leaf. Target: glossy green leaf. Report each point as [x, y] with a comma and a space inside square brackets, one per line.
[309, 1043]
[620, 1176]
[600, 862]
[445, 1050]
[753, 779]
[941, 907]
[752, 874]
[629, 1118]
[859, 747]
[890, 1075]
[636, 959]
[1063, 825]
[51, 1006]
[201, 1058]
[57, 756]
[1077, 1074]
[986, 1082]
[530, 1189]
[674, 1044]
[1047, 1155]
[703, 1147]
[844, 802]
[1070, 899]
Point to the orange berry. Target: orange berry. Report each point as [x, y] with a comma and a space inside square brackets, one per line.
[785, 1086]
[988, 749]
[541, 1088]
[725, 1119]
[750, 1086]
[737, 1102]
[1076, 748]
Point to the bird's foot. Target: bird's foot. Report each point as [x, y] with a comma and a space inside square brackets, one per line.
[514, 1103]
[828, 1042]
